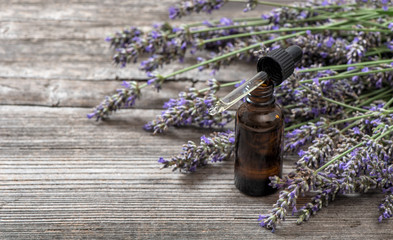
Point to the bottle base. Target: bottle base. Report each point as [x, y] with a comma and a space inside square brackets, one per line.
[254, 187]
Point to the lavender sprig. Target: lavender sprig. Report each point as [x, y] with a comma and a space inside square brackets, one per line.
[300, 136]
[328, 192]
[163, 44]
[386, 207]
[124, 98]
[191, 107]
[186, 7]
[299, 183]
[341, 175]
[215, 148]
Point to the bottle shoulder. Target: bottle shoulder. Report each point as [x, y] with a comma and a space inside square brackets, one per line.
[260, 117]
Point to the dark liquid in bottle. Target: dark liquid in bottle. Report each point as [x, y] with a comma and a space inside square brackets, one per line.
[258, 149]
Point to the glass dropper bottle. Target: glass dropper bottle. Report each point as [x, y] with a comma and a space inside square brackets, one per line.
[259, 125]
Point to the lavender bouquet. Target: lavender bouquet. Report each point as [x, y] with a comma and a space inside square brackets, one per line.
[338, 104]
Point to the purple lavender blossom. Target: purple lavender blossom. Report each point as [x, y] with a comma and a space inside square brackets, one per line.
[173, 12]
[250, 5]
[124, 98]
[390, 26]
[186, 7]
[160, 44]
[297, 184]
[240, 83]
[215, 148]
[190, 108]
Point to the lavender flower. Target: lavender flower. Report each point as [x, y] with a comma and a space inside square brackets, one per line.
[319, 152]
[328, 192]
[124, 98]
[380, 79]
[355, 52]
[386, 207]
[216, 148]
[191, 108]
[250, 5]
[307, 97]
[299, 184]
[125, 37]
[163, 44]
[367, 166]
[300, 136]
[186, 7]
[378, 4]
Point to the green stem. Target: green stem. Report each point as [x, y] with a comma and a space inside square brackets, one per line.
[359, 20]
[234, 53]
[287, 6]
[336, 102]
[335, 6]
[370, 100]
[344, 105]
[325, 17]
[197, 24]
[291, 106]
[261, 22]
[345, 66]
[272, 4]
[352, 118]
[377, 52]
[348, 75]
[388, 103]
[323, 28]
[143, 85]
[385, 133]
[300, 124]
[378, 94]
[372, 93]
[338, 157]
[256, 23]
[347, 72]
[349, 126]
[310, 19]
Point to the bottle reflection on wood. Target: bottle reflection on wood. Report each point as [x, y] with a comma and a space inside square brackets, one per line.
[258, 150]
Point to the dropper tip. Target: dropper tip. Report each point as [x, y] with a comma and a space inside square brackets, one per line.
[213, 110]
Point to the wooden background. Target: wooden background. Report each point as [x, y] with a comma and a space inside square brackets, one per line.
[65, 177]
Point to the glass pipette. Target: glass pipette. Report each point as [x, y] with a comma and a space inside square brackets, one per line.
[278, 64]
[237, 94]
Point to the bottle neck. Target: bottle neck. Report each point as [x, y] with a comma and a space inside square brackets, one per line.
[262, 95]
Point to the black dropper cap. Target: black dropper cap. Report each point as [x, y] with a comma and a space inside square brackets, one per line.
[279, 63]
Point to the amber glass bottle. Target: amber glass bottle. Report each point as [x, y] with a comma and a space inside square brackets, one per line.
[258, 150]
[259, 125]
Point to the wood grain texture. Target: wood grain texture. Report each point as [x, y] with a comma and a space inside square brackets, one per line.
[62, 175]
[65, 177]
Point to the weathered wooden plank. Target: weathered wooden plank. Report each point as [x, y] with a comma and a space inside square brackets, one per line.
[56, 51]
[107, 71]
[124, 12]
[43, 42]
[94, 20]
[110, 12]
[63, 175]
[71, 93]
